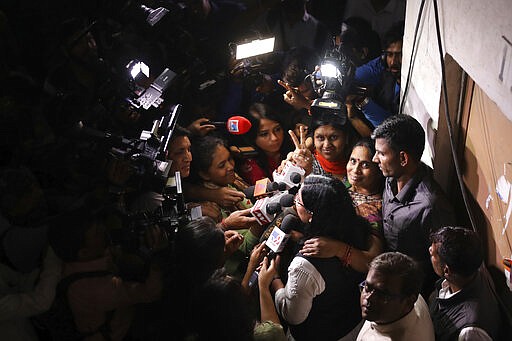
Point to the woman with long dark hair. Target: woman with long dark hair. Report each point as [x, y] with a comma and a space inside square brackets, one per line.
[213, 167]
[366, 186]
[321, 298]
[332, 140]
[267, 137]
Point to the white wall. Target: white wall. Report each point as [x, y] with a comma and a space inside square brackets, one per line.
[471, 32]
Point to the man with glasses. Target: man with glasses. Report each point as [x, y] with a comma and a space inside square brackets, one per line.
[382, 77]
[390, 301]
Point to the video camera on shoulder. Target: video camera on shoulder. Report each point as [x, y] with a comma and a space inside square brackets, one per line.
[333, 82]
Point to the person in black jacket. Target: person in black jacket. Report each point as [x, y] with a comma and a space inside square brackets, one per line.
[463, 307]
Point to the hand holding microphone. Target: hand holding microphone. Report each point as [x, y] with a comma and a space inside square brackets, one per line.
[226, 196]
[235, 125]
[239, 219]
[268, 272]
[277, 241]
[201, 127]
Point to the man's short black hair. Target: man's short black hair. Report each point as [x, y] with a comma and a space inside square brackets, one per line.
[403, 266]
[459, 248]
[393, 35]
[298, 63]
[402, 133]
[180, 131]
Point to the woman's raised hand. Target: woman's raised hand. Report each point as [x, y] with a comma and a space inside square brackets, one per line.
[301, 156]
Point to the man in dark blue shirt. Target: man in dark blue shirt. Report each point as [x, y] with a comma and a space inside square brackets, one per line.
[413, 204]
[382, 76]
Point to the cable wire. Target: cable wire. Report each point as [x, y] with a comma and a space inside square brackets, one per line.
[485, 272]
[413, 57]
[449, 122]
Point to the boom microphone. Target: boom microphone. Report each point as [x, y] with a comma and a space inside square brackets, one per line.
[236, 125]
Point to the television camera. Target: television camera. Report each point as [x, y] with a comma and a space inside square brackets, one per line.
[333, 82]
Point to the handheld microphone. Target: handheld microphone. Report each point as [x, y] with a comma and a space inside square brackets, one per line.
[274, 204]
[287, 200]
[277, 241]
[291, 174]
[236, 125]
[265, 209]
[263, 187]
[273, 207]
[260, 212]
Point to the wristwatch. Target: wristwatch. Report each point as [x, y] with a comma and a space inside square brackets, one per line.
[361, 104]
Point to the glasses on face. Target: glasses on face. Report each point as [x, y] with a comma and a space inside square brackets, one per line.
[367, 289]
[299, 203]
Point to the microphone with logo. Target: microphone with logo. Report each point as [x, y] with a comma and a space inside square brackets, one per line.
[291, 174]
[277, 241]
[236, 125]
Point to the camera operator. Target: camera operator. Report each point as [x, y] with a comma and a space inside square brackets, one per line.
[383, 74]
[358, 40]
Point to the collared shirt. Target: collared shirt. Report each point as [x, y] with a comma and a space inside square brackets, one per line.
[413, 213]
[466, 333]
[416, 325]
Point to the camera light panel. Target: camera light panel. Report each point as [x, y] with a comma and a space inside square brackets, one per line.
[255, 48]
[329, 70]
[138, 68]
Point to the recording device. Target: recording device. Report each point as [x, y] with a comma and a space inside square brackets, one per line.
[236, 125]
[265, 209]
[254, 60]
[273, 196]
[267, 205]
[134, 10]
[291, 174]
[263, 187]
[147, 96]
[147, 154]
[154, 15]
[169, 216]
[277, 241]
[333, 82]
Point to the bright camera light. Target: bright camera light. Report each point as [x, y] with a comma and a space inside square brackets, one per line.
[138, 68]
[329, 70]
[254, 48]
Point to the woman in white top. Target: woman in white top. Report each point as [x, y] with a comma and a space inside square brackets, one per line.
[321, 298]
